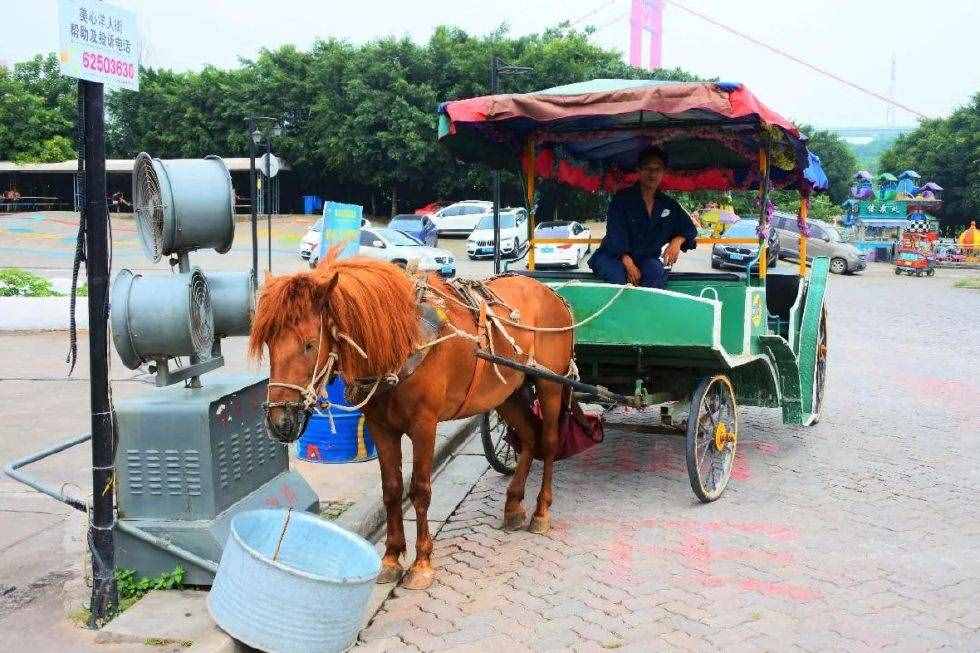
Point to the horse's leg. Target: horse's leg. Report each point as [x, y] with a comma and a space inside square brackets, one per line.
[390, 457]
[550, 395]
[423, 434]
[516, 413]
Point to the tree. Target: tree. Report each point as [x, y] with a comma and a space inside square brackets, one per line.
[947, 151]
[37, 112]
[837, 159]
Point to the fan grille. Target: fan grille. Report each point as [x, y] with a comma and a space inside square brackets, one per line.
[201, 314]
[148, 206]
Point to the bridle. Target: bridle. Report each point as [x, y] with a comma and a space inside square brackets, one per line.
[310, 399]
[309, 394]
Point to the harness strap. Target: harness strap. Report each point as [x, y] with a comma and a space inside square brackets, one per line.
[481, 326]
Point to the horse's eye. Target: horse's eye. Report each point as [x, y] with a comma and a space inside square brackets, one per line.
[309, 347]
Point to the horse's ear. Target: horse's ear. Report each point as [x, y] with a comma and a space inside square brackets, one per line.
[326, 287]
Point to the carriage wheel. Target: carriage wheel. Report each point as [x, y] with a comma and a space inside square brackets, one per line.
[712, 435]
[820, 369]
[501, 456]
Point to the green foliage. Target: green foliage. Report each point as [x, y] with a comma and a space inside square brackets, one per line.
[969, 282]
[37, 112]
[132, 587]
[15, 282]
[361, 121]
[837, 159]
[947, 151]
[868, 155]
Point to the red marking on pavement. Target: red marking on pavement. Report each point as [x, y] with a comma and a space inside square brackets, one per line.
[928, 388]
[769, 448]
[740, 468]
[779, 590]
[628, 547]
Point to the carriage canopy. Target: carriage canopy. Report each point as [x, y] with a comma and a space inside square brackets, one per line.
[589, 134]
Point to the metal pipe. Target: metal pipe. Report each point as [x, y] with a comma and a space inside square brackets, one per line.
[494, 62]
[167, 546]
[11, 470]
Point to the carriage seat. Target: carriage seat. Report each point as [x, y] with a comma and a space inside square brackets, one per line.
[583, 275]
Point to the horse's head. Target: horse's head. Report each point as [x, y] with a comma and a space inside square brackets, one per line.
[358, 317]
[290, 320]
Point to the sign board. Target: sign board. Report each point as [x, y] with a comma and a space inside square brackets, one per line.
[341, 226]
[270, 163]
[99, 42]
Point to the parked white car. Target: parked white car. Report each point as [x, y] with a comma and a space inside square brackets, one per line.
[311, 241]
[462, 217]
[561, 256]
[400, 249]
[513, 235]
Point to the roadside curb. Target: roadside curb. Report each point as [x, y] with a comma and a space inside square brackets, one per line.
[366, 518]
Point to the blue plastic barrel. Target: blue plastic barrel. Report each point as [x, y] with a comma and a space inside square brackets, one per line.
[348, 442]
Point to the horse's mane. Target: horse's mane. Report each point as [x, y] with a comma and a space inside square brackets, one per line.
[371, 301]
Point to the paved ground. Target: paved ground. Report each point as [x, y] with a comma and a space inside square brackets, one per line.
[860, 533]
[857, 533]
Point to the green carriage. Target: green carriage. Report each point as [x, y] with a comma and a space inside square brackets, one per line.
[707, 342]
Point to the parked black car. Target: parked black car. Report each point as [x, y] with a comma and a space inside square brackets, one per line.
[737, 257]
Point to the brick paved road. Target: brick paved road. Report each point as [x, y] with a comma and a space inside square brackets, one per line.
[860, 533]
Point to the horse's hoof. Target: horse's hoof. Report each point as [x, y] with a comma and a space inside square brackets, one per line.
[540, 525]
[419, 578]
[514, 521]
[389, 573]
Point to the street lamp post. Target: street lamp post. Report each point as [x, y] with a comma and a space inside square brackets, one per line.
[498, 68]
[255, 137]
[251, 188]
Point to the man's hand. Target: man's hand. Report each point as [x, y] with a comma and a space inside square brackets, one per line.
[632, 272]
[673, 250]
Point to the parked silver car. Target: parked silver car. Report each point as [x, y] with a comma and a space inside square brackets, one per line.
[824, 240]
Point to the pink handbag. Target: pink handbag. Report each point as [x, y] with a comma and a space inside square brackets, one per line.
[577, 430]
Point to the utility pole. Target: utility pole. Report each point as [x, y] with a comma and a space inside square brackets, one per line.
[96, 217]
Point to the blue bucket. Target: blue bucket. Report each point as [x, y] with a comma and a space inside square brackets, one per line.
[291, 581]
[350, 442]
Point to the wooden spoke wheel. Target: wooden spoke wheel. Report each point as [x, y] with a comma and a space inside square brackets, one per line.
[712, 435]
[820, 369]
[499, 452]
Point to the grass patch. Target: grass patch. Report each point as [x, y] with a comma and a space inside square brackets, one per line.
[132, 587]
[163, 641]
[15, 282]
[81, 617]
[969, 282]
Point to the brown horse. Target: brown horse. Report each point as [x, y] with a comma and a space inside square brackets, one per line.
[362, 318]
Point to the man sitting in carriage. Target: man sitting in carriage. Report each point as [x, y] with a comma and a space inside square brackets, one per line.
[645, 229]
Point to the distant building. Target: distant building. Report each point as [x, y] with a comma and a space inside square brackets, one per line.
[55, 186]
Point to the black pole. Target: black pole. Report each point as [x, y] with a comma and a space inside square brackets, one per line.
[496, 181]
[267, 194]
[104, 594]
[255, 215]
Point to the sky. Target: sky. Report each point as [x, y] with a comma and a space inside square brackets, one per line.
[935, 44]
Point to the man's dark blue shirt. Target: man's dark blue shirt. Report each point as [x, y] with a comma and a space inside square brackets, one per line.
[631, 230]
